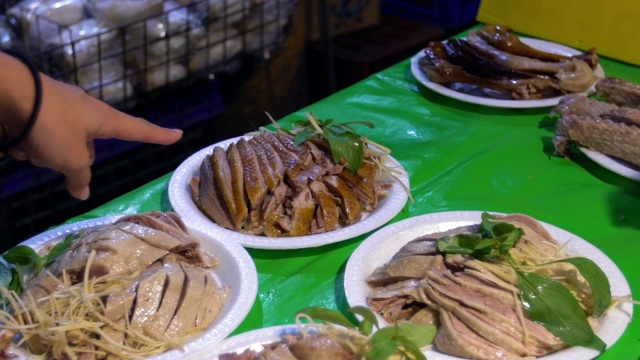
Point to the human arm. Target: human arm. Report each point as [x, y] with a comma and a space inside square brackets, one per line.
[68, 123]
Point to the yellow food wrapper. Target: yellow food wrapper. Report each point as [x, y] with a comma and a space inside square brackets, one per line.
[612, 27]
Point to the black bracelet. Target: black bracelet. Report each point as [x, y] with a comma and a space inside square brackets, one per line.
[36, 106]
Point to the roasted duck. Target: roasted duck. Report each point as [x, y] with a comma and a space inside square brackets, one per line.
[268, 185]
[494, 58]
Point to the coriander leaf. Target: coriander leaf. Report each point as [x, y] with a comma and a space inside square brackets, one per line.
[598, 281]
[368, 319]
[16, 281]
[21, 255]
[382, 344]
[550, 304]
[347, 145]
[327, 315]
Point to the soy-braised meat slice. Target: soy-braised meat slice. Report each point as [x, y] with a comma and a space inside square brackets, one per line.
[574, 75]
[222, 173]
[351, 210]
[503, 38]
[580, 105]
[327, 208]
[436, 65]
[303, 154]
[303, 211]
[255, 185]
[292, 164]
[268, 174]
[363, 184]
[237, 187]
[210, 198]
[275, 163]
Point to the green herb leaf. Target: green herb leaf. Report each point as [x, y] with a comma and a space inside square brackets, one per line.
[16, 281]
[411, 348]
[345, 144]
[21, 255]
[598, 281]
[420, 335]
[550, 304]
[304, 135]
[382, 344]
[327, 315]
[59, 249]
[368, 321]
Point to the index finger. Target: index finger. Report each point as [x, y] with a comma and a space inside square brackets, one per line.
[125, 127]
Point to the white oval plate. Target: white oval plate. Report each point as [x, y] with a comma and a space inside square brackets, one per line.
[253, 340]
[378, 249]
[616, 165]
[502, 103]
[236, 269]
[180, 198]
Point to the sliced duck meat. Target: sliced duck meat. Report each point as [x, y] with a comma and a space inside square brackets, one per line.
[303, 211]
[223, 177]
[457, 339]
[174, 284]
[302, 153]
[292, 164]
[275, 163]
[323, 159]
[363, 184]
[211, 201]
[149, 295]
[580, 105]
[598, 134]
[619, 91]
[190, 299]
[275, 200]
[351, 210]
[214, 296]
[317, 347]
[405, 268]
[268, 174]
[389, 300]
[428, 244]
[237, 187]
[117, 252]
[504, 278]
[495, 321]
[254, 183]
[328, 210]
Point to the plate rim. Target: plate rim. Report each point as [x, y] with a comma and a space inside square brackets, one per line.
[610, 164]
[423, 79]
[248, 286]
[352, 273]
[181, 202]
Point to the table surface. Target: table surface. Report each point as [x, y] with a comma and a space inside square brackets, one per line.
[459, 156]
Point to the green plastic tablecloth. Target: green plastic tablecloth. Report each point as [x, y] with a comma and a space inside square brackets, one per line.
[459, 156]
